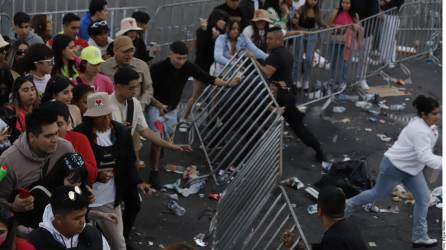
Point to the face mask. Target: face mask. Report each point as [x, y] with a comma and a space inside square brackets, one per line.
[3, 238]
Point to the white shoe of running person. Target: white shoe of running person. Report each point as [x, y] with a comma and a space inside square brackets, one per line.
[363, 84]
[428, 242]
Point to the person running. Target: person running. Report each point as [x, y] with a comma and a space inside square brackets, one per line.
[404, 163]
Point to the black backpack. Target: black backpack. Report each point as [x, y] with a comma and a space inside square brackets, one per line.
[351, 176]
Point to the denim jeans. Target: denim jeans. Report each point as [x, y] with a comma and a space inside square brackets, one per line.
[337, 62]
[389, 176]
[303, 44]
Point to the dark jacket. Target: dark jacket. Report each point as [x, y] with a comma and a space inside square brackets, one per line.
[126, 176]
[247, 8]
[392, 4]
[204, 49]
[141, 49]
[365, 9]
[234, 14]
[89, 239]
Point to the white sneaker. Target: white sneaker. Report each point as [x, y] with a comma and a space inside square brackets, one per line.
[428, 242]
[363, 84]
[306, 84]
[298, 84]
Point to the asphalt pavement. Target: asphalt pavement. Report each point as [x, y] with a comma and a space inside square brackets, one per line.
[348, 134]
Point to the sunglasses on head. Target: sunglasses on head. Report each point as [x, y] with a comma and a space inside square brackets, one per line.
[72, 195]
[99, 24]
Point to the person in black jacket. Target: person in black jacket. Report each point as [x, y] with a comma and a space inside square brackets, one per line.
[67, 229]
[248, 7]
[340, 234]
[113, 148]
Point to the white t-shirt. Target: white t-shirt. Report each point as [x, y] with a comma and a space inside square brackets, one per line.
[138, 120]
[105, 192]
[41, 83]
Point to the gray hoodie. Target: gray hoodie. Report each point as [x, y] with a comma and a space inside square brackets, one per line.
[25, 167]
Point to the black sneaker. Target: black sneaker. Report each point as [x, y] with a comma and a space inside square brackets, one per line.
[154, 180]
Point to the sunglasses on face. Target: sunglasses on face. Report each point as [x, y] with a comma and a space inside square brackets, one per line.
[49, 61]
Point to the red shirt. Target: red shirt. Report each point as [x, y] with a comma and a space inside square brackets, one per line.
[82, 146]
[22, 244]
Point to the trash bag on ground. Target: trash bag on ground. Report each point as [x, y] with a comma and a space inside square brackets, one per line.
[352, 176]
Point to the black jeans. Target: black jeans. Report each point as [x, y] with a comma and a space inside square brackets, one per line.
[295, 119]
[132, 205]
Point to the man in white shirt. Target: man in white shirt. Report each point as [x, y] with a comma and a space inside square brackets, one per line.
[129, 112]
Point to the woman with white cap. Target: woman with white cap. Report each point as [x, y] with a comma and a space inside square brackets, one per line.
[258, 29]
[91, 58]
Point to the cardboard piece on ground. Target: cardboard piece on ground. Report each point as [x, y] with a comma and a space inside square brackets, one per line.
[388, 90]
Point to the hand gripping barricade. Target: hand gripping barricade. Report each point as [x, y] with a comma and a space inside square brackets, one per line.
[240, 132]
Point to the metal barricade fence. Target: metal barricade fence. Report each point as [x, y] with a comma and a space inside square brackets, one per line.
[329, 59]
[178, 21]
[230, 122]
[419, 26]
[114, 17]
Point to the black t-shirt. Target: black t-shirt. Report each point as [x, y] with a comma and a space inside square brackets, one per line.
[6, 81]
[282, 60]
[342, 236]
[141, 50]
[169, 82]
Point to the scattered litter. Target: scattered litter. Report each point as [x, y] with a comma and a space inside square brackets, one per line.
[406, 99]
[382, 121]
[372, 119]
[176, 208]
[214, 196]
[339, 109]
[344, 97]
[150, 243]
[293, 182]
[326, 165]
[368, 129]
[190, 172]
[436, 197]
[372, 244]
[372, 208]
[312, 192]
[335, 138]
[173, 196]
[345, 120]
[293, 205]
[174, 168]
[383, 106]
[199, 240]
[388, 90]
[384, 137]
[363, 104]
[193, 189]
[161, 246]
[372, 97]
[437, 220]
[201, 195]
[398, 106]
[312, 209]
[374, 111]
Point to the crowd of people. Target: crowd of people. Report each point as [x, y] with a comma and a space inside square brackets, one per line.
[75, 104]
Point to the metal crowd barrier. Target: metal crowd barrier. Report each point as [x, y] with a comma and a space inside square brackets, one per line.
[178, 21]
[114, 17]
[231, 122]
[419, 29]
[336, 63]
